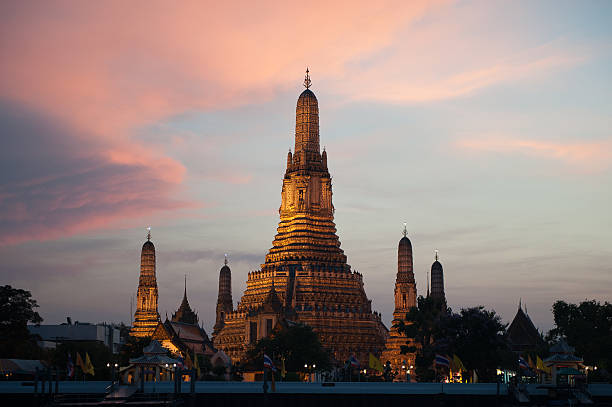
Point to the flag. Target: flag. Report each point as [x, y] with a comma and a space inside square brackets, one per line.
[89, 369]
[80, 362]
[283, 370]
[441, 360]
[354, 362]
[196, 365]
[522, 363]
[268, 363]
[541, 366]
[458, 364]
[375, 363]
[69, 367]
[188, 362]
[530, 362]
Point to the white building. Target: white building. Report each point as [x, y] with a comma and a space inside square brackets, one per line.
[77, 332]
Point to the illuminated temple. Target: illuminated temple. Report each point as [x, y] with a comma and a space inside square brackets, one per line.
[146, 317]
[305, 277]
[405, 298]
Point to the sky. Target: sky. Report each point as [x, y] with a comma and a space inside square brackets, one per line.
[485, 126]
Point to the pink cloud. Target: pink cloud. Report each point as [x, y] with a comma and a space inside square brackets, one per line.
[106, 69]
[591, 156]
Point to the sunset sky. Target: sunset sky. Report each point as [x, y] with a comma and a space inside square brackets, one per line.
[484, 125]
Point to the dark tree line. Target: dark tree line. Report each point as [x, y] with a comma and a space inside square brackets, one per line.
[475, 335]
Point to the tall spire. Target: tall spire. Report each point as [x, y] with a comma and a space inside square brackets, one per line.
[185, 294]
[405, 231]
[437, 279]
[307, 81]
[146, 315]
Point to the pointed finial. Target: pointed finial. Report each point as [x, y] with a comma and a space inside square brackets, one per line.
[149, 233]
[307, 80]
[436, 254]
[185, 286]
[520, 301]
[405, 231]
[225, 261]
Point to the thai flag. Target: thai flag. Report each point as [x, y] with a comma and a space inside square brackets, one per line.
[69, 367]
[354, 362]
[441, 360]
[522, 363]
[268, 363]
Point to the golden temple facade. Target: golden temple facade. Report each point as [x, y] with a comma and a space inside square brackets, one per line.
[305, 277]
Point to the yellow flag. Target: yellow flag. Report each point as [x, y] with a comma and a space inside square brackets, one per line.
[196, 365]
[80, 363]
[89, 369]
[530, 362]
[375, 363]
[458, 364]
[541, 366]
[283, 370]
[188, 362]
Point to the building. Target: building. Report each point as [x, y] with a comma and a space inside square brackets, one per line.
[405, 298]
[182, 335]
[522, 333]
[225, 303]
[51, 335]
[146, 317]
[305, 277]
[437, 281]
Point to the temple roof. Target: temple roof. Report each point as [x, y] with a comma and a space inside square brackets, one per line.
[184, 313]
[522, 332]
[307, 98]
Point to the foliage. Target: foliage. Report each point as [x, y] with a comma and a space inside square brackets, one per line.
[17, 308]
[477, 337]
[99, 354]
[298, 344]
[588, 328]
[421, 328]
[132, 348]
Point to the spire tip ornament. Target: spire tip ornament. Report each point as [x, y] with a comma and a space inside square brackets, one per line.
[307, 81]
[149, 233]
[405, 231]
[225, 261]
[436, 254]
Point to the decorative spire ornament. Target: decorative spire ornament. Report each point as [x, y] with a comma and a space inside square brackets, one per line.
[436, 254]
[225, 261]
[307, 81]
[149, 233]
[405, 231]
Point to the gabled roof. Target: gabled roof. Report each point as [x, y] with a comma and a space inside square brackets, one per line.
[522, 333]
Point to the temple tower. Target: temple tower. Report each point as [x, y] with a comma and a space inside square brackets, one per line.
[146, 317]
[306, 267]
[225, 303]
[405, 298]
[437, 280]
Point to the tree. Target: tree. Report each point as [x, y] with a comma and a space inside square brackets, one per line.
[132, 348]
[297, 344]
[588, 328]
[421, 328]
[17, 308]
[478, 337]
[100, 355]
